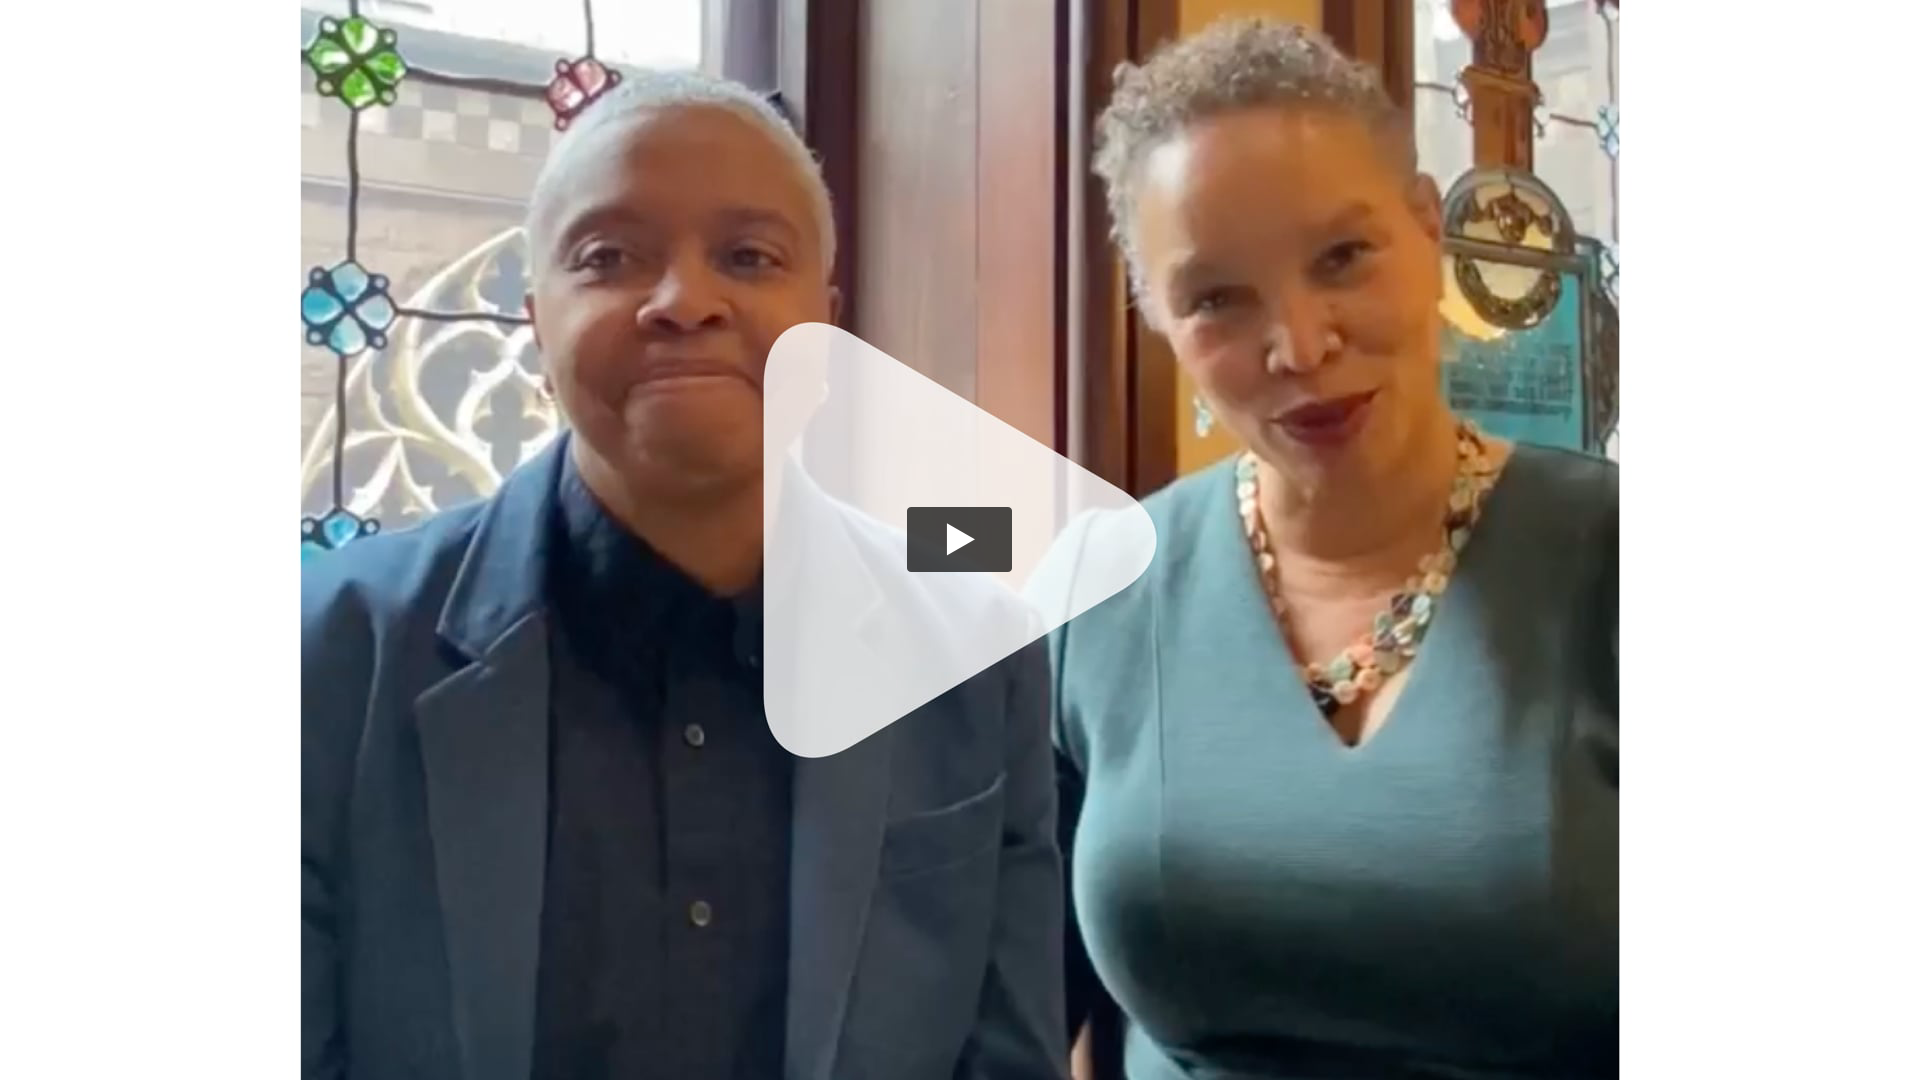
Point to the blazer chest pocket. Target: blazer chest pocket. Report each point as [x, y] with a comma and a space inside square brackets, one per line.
[945, 836]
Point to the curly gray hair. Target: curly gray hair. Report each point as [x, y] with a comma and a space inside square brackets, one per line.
[1232, 64]
[660, 89]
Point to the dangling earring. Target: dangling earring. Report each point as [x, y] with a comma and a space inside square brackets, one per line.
[1202, 417]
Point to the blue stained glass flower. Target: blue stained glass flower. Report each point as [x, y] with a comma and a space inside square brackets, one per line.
[320, 306]
[350, 281]
[346, 309]
[376, 310]
[340, 527]
[336, 530]
[1608, 128]
[347, 337]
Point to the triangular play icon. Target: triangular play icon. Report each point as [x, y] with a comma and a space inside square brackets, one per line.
[854, 639]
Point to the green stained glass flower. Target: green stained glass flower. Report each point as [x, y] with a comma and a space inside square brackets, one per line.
[328, 58]
[355, 61]
[357, 89]
[386, 66]
[360, 35]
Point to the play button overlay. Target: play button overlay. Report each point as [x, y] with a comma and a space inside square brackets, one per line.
[960, 539]
[913, 542]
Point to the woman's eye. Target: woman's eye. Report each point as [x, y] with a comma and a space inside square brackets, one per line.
[1341, 257]
[1209, 300]
[752, 258]
[601, 258]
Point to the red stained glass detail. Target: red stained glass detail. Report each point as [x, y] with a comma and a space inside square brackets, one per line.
[577, 84]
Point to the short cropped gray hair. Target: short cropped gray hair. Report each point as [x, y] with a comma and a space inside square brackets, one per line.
[640, 91]
[1232, 64]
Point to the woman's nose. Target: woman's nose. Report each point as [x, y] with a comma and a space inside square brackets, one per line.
[685, 298]
[1301, 342]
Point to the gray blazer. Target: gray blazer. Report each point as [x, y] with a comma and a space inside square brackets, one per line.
[926, 897]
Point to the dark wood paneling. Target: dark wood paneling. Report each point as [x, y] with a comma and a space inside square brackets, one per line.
[1396, 61]
[1096, 346]
[1338, 20]
[958, 263]
[818, 69]
[918, 260]
[818, 54]
[1154, 382]
[1119, 377]
[1018, 264]
[1379, 32]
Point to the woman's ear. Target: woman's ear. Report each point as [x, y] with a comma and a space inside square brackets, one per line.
[1425, 200]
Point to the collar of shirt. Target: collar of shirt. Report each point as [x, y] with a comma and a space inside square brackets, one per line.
[625, 602]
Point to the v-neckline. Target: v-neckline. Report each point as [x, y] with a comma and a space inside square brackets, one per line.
[1293, 695]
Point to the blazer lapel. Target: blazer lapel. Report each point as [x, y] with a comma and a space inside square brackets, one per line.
[839, 820]
[483, 737]
[839, 802]
[483, 742]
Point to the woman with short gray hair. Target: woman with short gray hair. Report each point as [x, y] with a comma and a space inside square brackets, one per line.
[1339, 772]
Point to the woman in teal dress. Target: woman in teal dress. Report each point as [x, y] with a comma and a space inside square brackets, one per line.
[1339, 771]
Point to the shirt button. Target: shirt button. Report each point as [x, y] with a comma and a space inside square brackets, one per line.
[696, 736]
[700, 913]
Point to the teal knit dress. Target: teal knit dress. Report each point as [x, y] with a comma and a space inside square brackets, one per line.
[1263, 901]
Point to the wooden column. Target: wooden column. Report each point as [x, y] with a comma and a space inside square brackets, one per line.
[817, 69]
[1019, 328]
[1097, 344]
[1378, 32]
[957, 248]
[1500, 82]
[1120, 398]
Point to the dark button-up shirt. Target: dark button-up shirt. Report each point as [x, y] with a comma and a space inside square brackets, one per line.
[664, 928]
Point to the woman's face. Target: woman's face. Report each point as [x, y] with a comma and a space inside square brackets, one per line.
[1295, 267]
[682, 245]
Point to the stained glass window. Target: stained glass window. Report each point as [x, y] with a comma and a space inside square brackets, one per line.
[1576, 126]
[1577, 143]
[1443, 131]
[1577, 131]
[423, 128]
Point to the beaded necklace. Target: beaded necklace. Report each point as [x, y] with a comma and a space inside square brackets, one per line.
[1398, 630]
